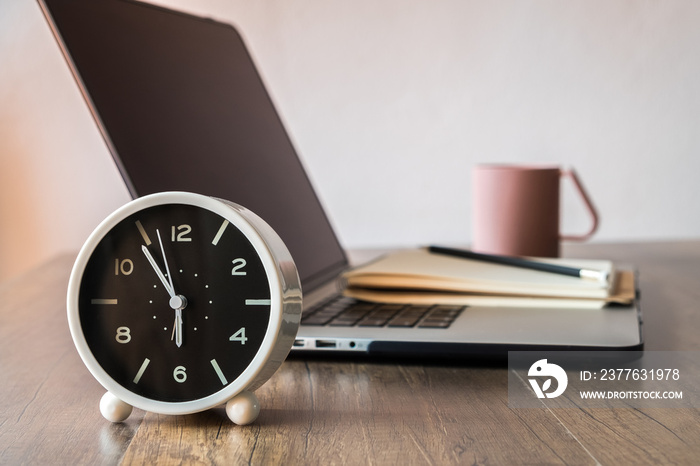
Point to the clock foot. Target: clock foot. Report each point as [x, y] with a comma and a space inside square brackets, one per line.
[113, 409]
[243, 408]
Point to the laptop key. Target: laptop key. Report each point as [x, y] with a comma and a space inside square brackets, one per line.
[403, 322]
[352, 315]
[441, 317]
[316, 320]
[409, 316]
[342, 323]
[371, 322]
[380, 316]
[435, 324]
[327, 311]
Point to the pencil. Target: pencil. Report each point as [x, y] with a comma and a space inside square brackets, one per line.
[588, 274]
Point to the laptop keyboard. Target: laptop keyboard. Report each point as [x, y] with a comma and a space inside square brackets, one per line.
[348, 312]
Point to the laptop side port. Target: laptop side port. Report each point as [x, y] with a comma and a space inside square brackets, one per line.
[326, 344]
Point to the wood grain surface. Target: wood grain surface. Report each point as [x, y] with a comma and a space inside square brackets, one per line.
[319, 411]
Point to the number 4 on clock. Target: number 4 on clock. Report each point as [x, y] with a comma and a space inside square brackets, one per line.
[239, 336]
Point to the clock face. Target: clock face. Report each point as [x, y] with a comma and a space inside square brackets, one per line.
[174, 302]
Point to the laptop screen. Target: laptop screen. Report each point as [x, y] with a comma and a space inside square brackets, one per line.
[182, 108]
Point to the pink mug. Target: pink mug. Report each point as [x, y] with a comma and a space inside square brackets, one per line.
[516, 210]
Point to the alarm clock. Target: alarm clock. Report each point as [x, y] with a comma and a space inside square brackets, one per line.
[180, 302]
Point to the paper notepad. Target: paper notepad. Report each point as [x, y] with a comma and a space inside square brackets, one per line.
[418, 276]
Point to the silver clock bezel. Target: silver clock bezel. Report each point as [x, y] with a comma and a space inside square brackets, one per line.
[285, 295]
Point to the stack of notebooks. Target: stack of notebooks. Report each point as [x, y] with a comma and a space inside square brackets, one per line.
[424, 277]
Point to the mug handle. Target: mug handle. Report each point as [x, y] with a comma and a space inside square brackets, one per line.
[589, 205]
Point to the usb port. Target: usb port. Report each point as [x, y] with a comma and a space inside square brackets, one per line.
[299, 343]
[326, 344]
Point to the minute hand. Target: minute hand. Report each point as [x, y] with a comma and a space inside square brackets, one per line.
[167, 269]
[163, 280]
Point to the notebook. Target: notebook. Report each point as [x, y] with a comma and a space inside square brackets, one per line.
[181, 107]
[421, 276]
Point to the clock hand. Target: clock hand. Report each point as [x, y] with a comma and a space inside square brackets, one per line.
[178, 327]
[167, 270]
[152, 261]
[172, 334]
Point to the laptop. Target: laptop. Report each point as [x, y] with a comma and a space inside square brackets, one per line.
[181, 107]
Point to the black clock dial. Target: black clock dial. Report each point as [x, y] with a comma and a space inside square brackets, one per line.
[134, 328]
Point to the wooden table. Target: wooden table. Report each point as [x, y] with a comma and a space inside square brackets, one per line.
[342, 412]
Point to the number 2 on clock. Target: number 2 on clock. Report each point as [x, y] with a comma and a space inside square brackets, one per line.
[238, 264]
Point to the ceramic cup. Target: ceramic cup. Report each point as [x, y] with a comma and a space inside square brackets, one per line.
[516, 209]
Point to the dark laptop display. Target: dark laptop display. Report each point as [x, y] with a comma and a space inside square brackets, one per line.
[186, 110]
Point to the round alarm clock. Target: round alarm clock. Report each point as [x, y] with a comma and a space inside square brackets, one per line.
[179, 302]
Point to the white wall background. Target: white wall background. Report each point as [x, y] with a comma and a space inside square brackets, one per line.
[390, 104]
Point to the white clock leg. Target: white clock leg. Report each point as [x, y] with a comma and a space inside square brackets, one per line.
[243, 408]
[113, 409]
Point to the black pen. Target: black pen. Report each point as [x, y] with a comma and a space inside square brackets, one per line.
[598, 275]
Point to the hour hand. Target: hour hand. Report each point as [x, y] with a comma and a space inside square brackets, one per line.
[152, 261]
[178, 327]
